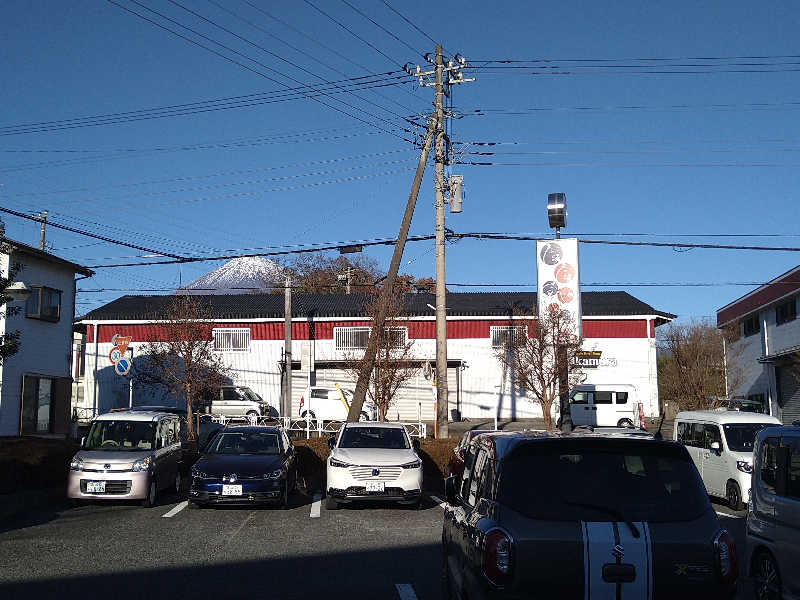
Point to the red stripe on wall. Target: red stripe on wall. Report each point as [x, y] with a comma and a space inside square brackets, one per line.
[419, 330]
[769, 293]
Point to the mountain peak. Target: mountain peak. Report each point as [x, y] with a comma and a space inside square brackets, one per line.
[244, 275]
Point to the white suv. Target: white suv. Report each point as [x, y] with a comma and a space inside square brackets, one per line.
[373, 461]
[332, 404]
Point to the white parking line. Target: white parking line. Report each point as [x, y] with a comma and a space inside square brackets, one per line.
[438, 500]
[405, 591]
[315, 505]
[178, 508]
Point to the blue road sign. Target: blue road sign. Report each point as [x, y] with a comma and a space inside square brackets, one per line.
[122, 366]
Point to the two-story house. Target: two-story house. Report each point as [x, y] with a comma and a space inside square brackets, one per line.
[766, 354]
[35, 383]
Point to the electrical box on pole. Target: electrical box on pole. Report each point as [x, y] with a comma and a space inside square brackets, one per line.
[456, 192]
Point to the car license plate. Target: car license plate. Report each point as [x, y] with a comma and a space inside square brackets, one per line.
[231, 490]
[375, 486]
[95, 487]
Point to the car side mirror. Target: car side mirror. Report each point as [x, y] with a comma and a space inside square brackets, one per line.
[450, 490]
[415, 444]
[331, 442]
[83, 439]
[716, 447]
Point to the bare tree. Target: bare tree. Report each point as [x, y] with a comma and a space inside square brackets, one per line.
[183, 360]
[529, 353]
[691, 369]
[394, 362]
[318, 273]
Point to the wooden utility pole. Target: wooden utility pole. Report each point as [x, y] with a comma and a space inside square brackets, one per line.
[286, 409]
[368, 363]
[441, 314]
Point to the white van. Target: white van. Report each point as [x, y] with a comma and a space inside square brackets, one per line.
[332, 404]
[720, 443]
[604, 405]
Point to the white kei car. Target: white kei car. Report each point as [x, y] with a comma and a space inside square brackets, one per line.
[373, 461]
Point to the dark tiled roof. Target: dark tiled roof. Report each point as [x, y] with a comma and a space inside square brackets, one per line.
[46, 256]
[266, 306]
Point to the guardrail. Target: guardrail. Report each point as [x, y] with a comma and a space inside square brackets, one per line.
[311, 427]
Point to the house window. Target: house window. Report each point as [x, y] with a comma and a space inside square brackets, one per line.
[785, 312]
[506, 335]
[231, 340]
[356, 338]
[43, 303]
[751, 325]
[37, 404]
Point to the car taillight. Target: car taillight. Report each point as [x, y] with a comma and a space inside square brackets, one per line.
[462, 452]
[497, 557]
[302, 401]
[725, 558]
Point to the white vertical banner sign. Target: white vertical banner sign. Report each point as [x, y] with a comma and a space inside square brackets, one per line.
[557, 278]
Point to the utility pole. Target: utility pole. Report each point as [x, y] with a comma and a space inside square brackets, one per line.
[286, 409]
[43, 218]
[348, 273]
[444, 77]
[441, 314]
[368, 363]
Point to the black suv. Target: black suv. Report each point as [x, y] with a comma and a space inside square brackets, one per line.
[582, 515]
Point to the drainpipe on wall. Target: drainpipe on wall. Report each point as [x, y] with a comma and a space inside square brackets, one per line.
[94, 378]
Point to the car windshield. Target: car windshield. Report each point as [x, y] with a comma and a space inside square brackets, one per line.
[374, 437]
[250, 394]
[589, 480]
[245, 442]
[742, 436]
[124, 436]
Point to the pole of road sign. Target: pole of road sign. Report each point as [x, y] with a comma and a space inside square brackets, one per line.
[287, 347]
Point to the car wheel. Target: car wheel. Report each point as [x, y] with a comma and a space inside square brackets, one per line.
[734, 496]
[363, 416]
[152, 495]
[285, 496]
[625, 423]
[766, 576]
[178, 485]
[195, 504]
[75, 502]
[331, 504]
[447, 584]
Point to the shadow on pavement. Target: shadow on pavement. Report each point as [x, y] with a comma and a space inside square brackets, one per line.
[357, 574]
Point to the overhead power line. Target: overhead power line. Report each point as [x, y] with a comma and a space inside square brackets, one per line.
[51, 223]
[382, 28]
[399, 14]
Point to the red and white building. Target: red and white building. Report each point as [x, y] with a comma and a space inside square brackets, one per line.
[767, 350]
[618, 328]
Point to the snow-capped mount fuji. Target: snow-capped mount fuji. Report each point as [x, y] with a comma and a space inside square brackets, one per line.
[245, 275]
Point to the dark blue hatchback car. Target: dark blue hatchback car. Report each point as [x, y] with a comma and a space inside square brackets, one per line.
[245, 465]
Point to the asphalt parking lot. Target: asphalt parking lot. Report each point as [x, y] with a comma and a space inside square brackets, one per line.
[120, 551]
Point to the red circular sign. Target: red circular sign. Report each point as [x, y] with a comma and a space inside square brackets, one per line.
[565, 273]
[565, 295]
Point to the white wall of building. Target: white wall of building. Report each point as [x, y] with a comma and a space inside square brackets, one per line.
[45, 346]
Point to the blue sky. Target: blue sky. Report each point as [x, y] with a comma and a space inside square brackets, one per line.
[682, 157]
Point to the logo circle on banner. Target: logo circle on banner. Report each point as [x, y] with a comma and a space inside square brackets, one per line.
[115, 355]
[114, 338]
[122, 366]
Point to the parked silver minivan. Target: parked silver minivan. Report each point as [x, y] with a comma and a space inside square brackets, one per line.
[773, 519]
[720, 443]
[128, 455]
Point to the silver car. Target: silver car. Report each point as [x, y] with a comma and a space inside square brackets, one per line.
[129, 455]
[773, 518]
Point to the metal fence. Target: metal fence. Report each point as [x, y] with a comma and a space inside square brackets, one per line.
[309, 427]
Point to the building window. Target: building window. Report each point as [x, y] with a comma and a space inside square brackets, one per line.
[37, 404]
[43, 303]
[356, 338]
[231, 340]
[751, 325]
[785, 312]
[506, 335]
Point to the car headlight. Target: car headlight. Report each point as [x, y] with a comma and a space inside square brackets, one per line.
[198, 473]
[76, 464]
[415, 464]
[339, 463]
[143, 464]
[276, 474]
[744, 466]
